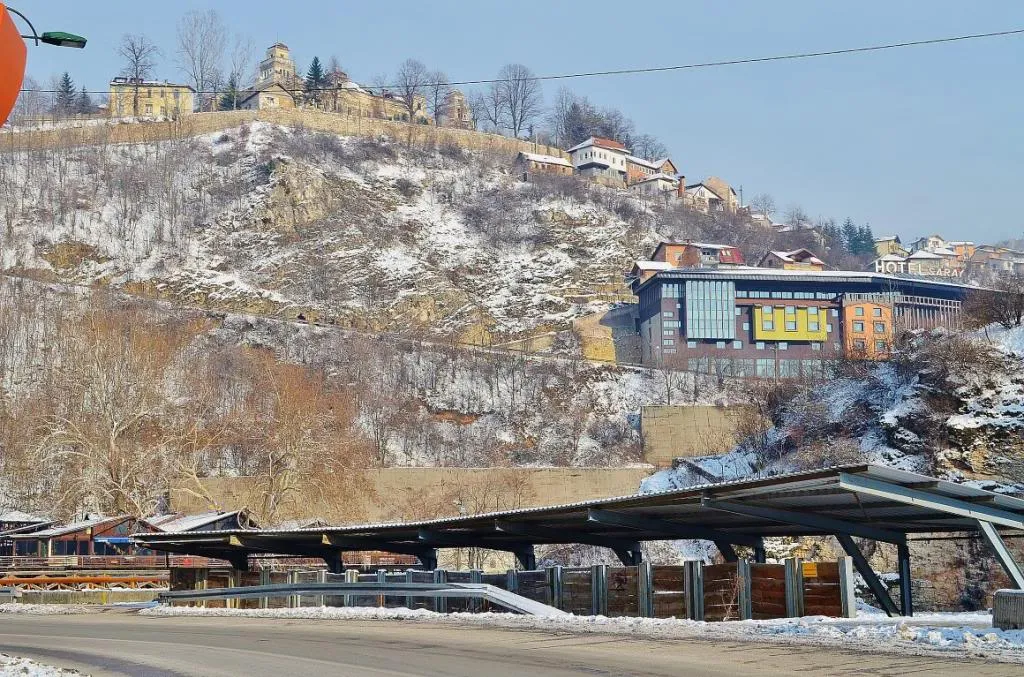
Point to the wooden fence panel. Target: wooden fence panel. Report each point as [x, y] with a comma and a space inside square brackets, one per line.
[623, 597]
[669, 589]
[768, 590]
[577, 593]
[534, 585]
[822, 590]
[721, 592]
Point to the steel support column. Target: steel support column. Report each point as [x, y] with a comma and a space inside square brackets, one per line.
[526, 557]
[428, 559]
[868, 574]
[334, 563]
[1002, 553]
[906, 584]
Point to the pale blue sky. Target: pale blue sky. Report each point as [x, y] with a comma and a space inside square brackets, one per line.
[912, 141]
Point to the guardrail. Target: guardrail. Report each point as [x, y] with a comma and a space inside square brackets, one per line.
[481, 591]
[8, 563]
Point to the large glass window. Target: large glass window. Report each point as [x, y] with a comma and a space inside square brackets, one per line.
[858, 326]
[710, 309]
[879, 327]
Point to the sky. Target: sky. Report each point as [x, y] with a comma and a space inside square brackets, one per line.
[912, 142]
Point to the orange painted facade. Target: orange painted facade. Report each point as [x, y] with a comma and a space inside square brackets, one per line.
[12, 56]
[867, 330]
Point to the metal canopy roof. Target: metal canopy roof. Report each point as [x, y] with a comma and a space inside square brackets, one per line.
[857, 500]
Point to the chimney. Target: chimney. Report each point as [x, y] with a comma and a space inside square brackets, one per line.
[681, 189]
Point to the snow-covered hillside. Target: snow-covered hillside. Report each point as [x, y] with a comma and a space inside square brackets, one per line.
[361, 232]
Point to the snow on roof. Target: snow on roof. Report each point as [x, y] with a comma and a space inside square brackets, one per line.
[549, 159]
[924, 255]
[607, 144]
[792, 256]
[653, 265]
[192, 522]
[642, 162]
[892, 257]
[655, 177]
[72, 527]
[943, 251]
[694, 187]
[20, 516]
[735, 271]
[887, 238]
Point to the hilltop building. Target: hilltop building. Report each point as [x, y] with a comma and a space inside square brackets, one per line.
[537, 163]
[756, 322]
[798, 259]
[890, 244]
[278, 85]
[159, 99]
[601, 159]
[690, 254]
[457, 113]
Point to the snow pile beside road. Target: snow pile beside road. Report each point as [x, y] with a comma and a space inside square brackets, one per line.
[12, 666]
[962, 635]
[46, 609]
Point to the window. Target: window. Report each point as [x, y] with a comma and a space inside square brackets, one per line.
[766, 368]
[759, 345]
[880, 346]
[668, 332]
[835, 347]
[790, 325]
[828, 328]
[858, 326]
[691, 344]
[667, 313]
[790, 310]
[739, 311]
[858, 345]
[746, 326]
[737, 345]
[813, 311]
[835, 312]
[815, 346]
[859, 311]
[879, 327]
[813, 326]
[668, 342]
[876, 312]
[767, 318]
[783, 345]
[720, 344]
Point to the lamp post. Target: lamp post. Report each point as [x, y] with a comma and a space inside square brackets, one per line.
[56, 38]
[13, 53]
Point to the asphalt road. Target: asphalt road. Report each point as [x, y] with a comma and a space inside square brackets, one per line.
[126, 644]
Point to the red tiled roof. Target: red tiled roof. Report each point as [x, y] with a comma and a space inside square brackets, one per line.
[608, 143]
[730, 255]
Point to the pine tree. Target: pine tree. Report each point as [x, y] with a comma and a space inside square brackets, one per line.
[229, 100]
[850, 235]
[84, 104]
[866, 240]
[315, 79]
[66, 96]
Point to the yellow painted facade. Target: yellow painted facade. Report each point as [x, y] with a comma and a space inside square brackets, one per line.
[156, 99]
[790, 323]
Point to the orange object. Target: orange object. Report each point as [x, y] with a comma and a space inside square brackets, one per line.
[12, 63]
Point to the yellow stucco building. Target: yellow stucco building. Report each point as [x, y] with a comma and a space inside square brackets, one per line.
[156, 99]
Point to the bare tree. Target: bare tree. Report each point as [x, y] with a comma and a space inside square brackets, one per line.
[520, 95]
[411, 81]
[200, 52]
[30, 103]
[764, 204]
[240, 68]
[487, 108]
[648, 147]
[438, 89]
[139, 59]
[558, 115]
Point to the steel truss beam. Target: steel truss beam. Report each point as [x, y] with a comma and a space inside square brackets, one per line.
[806, 519]
[868, 574]
[660, 529]
[442, 539]
[924, 499]
[1003, 554]
[627, 551]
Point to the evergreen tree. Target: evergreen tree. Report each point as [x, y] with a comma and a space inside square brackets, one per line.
[66, 96]
[866, 240]
[84, 104]
[229, 100]
[851, 235]
[315, 79]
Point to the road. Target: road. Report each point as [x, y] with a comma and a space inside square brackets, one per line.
[120, 643]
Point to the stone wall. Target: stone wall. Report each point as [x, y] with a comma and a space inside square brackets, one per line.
[203, 123]
[672, 431]
[410, 493]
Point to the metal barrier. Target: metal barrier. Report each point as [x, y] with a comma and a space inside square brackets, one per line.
[437, 591]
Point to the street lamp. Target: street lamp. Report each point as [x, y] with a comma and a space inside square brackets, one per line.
[56, 38]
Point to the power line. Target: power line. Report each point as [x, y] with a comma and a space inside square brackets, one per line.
[653, 69]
